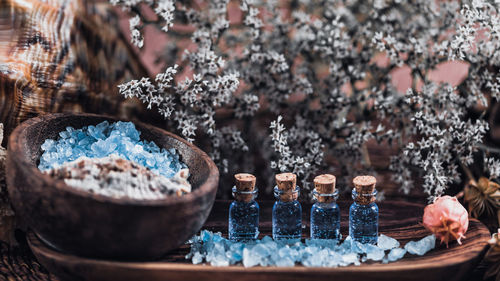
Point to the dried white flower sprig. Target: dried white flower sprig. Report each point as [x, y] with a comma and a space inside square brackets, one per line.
[326, 72]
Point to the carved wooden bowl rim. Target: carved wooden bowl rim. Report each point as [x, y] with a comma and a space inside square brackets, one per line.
[18, 140]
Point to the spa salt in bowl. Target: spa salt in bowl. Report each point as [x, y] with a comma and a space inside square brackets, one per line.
[93, 225]
[110, 159]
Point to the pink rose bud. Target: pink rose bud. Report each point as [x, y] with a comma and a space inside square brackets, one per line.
[447, 219]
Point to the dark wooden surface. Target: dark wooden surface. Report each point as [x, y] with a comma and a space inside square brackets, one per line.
[398, 219]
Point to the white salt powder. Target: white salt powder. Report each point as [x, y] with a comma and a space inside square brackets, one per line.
[119, 178]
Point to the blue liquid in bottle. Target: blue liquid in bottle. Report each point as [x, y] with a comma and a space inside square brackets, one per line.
[325, 213]
[363, 219]
[325, 221]
[287, 216]
[243, 216]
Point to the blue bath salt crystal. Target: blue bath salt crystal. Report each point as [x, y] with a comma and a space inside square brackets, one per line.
[396, 254]
[422, 246]
[197, 258]
[385, 242]
[216, 250]
[104, 139]
[374, 253]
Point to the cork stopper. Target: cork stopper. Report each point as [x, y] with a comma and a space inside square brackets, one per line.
[245, 185]
[325, 184]
[365, 186]
[287, 182]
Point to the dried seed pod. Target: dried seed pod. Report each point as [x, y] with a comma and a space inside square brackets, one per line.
[447, 219]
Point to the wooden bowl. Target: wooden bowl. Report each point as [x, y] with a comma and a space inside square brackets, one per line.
[97, 226]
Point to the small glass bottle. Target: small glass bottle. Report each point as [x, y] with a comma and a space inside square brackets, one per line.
[325, 213]
[244, 211]
[363, 214]
[287, 211]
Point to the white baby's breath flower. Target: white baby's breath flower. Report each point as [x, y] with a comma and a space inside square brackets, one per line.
[326, 73]
[137, 38]
[166, 9]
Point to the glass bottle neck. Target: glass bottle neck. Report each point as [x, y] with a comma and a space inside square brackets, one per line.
[326, 205]
[325, 197]
[244, 196]
[364, 199]
[286, 196]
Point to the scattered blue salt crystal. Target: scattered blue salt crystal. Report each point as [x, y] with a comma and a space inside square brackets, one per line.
[334, 260]
[235, 253]
[310, 261]
[422, 246]
[346, 246]
[351, 258]
[220, 261]
[322, 255]
[206, 235]
[250, 260]
[261, 250]
[267, 239]
[358, 247]
[385, 242]
[283, 262]
[197, 258]
[219, 251]
[396, 254]
[374, 253]
[285, 252]
[104, 139]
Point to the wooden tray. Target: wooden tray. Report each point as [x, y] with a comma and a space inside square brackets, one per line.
[398, 219]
